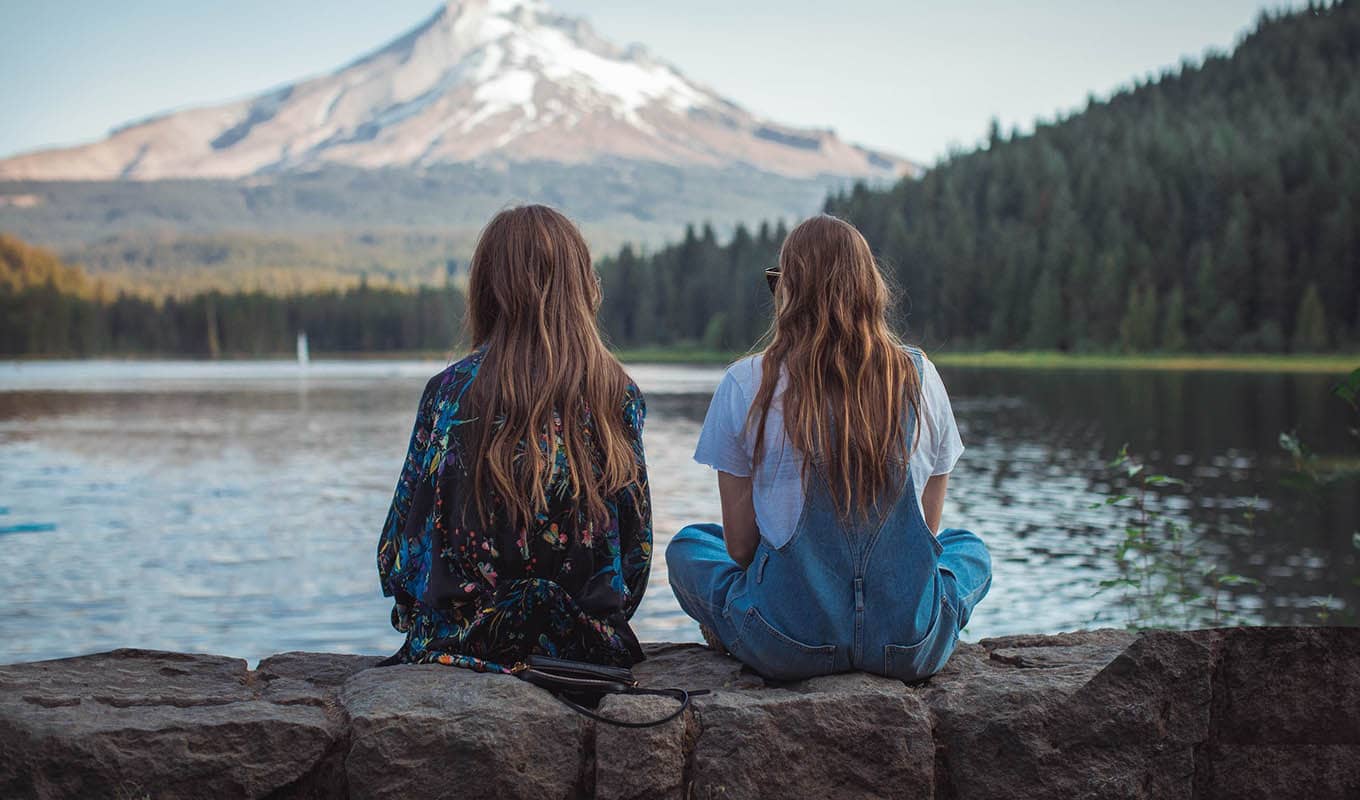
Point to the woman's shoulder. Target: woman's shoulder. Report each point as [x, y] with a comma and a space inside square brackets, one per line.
[745, 373]
[925, 368]
[632, 394]
[633, 404]
[467, 365]
[453, 377]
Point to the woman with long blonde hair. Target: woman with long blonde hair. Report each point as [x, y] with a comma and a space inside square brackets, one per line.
[833, 448]
[521, 523]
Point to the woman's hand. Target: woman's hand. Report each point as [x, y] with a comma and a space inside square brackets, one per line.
[740, 532]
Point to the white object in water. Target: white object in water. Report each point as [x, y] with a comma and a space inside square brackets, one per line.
[303, 356]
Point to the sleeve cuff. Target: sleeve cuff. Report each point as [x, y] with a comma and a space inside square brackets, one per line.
[730, 469]
[946, 466]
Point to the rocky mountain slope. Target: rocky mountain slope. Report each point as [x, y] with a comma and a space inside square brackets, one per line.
[481, 81]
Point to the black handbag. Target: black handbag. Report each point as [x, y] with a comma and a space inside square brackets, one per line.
[582, 686]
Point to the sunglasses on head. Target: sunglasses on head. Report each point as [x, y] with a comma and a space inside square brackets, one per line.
[772, 278]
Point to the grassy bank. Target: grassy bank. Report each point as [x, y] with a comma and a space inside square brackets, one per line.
[1209, 362]
[1010, 359]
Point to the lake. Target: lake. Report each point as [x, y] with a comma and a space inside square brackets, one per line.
[234, 507]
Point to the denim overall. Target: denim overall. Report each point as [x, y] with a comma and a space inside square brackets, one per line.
[882, 595]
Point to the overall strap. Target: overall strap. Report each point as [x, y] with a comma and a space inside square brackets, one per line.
[918, 359]
[817, 461]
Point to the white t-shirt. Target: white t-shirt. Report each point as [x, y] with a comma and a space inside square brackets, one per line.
[726, 443]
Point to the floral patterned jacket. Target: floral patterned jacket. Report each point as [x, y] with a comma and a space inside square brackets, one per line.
[487, 597]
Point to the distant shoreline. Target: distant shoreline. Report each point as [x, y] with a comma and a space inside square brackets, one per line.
[1329, 363]
[1326, 363]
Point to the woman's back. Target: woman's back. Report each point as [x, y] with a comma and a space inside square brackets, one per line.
[833, 449]
[494, 590]
[522, 523]
[727, 442]
[822, 576]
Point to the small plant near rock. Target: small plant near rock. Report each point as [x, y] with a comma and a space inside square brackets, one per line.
[1355, 542]
[1165, 578]
[1308, 471]
[1344, 616]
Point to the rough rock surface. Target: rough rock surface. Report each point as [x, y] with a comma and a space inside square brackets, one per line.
[1224, 713]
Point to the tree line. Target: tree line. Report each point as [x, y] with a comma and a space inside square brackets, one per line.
[51, 309]
[1213, 208]
[694, 293]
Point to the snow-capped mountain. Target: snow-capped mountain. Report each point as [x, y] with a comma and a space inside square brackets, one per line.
[479, 81]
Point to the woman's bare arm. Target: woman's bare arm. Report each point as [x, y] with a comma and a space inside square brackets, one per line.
[739, 518]
[932, 500]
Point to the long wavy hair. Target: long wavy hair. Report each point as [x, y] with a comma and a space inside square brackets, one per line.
[850, 379]
[532, 300]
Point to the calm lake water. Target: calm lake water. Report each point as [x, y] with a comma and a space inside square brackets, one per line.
[234, 507]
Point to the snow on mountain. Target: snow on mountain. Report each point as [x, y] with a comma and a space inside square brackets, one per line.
[480, 80]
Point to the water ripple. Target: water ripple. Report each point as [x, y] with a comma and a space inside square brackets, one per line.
[234, 508]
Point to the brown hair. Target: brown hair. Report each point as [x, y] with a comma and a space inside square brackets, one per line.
[850, 380]
[532, 298]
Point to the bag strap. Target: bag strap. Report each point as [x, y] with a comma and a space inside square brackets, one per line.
[568, 683]
[541, 674]
[679, 694]
[557, 684]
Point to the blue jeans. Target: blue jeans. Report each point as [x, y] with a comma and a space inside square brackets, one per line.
[890, 600]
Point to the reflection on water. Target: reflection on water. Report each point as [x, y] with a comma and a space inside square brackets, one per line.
[234, 508]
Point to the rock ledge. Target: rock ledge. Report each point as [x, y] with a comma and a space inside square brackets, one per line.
[1233, 712]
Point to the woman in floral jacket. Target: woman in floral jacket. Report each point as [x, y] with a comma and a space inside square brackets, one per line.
[521, 522]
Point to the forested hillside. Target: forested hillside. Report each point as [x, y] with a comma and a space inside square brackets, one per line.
[694, 293]
[1214, 208]
[324, 229]
[48, 308]
[24, 267]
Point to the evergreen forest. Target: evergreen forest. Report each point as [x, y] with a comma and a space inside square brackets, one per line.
[1215, 208]
[1212, 208]
[48, 308]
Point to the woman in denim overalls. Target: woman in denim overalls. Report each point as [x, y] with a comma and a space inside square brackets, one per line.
[833, 449]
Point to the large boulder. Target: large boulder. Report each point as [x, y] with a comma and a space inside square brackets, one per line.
[1222, 713]
[434, 731]
[1083, 720]
[636, 763]
[138, 723]
[1285, 715]
[845, 736]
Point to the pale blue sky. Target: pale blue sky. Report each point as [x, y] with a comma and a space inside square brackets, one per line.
[908, 77]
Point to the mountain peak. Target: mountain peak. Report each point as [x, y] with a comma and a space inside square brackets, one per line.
[453, 8]
[479, 80]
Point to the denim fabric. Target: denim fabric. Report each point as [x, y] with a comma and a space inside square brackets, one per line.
[728, 443]
[882, 595]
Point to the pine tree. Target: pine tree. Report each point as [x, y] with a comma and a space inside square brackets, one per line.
[1138, 330]
[1173, 338]
[1045, 315]
[1205, 287]
[1107, 297]
[1224, 330]
[1310, 324]
[1233, 258]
